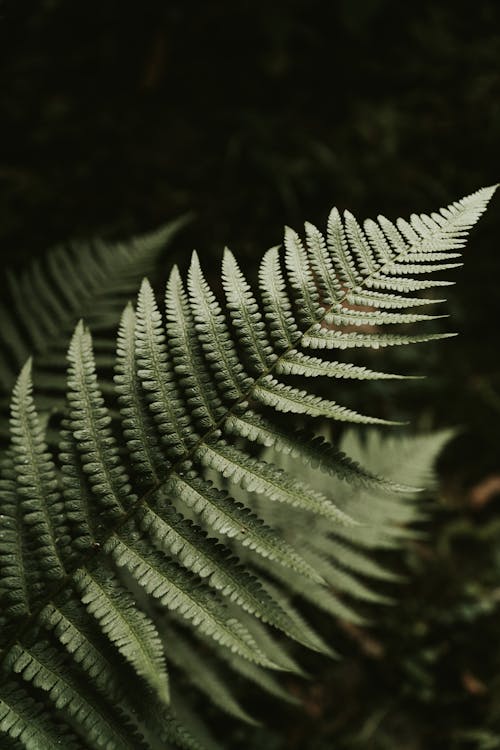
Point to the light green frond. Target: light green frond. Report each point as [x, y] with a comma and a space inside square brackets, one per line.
[36, 488]
[393, 284]
[354, 560]
[322, 338]
[69, 624]
[187, 356]
[90, 280]
[137, 419]
[301, 279]
[341, 581]
[286, 398]
[179, 592]
[79, 502]
[322, 266]
[25, 720]
[278, 309]
[233, 520]
[308, 636]
[342, 259]
[265, 680]
[42, 667]
[214, 335]
[197, 500]
[386, 301]
[155, 373]
[129, 629]
[339, 316]
[255, 475]
[319, 596]
[89, 422]
[14, 578]
[245, 315]
[366, 262]
[212, 562]
[312, 449]
[299, 363]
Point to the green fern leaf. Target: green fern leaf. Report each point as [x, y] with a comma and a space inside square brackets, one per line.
[164, 514]
[83, 280]
[128, 628]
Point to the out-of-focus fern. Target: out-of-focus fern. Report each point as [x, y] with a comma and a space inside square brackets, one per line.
[89, 280]
[385, 520]
[107, 572]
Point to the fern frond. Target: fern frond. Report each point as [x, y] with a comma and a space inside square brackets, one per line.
[179, 592]
[133, 634]
[83, 280]
[228, 518]
[165, 512]
[42, 667]
[25, 720]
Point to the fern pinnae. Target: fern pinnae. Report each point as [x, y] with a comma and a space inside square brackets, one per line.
[340, 316]
[283, 328]
[25, 720]
[341, 580]
[310, 448]
[286, 398]
[355, 561]
[89, 280]
[69, 623]
[41, 504]
[212, 562]
[236, 522]
[90, 425]
[400, 269]
[322, 266]
[43, 667]
[256, 475]
[202, 397]
[367, 263]
[214, 336]
[178, 591]
[129, 629]
[321, 338]
[123, 521]
[299, 363]
[24, 301]
[341, 256]
[264, 679]
[137, 420]
[79, 503]
[14, 578]
[301, 279]
[308, 636]
[320, 596]
[387, 301]
[155, 372]
[270, 644]
[245, 315]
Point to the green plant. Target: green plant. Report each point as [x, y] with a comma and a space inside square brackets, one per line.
[89, 280]
[106, 569]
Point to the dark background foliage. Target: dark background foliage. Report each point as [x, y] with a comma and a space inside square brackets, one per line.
[117, 116]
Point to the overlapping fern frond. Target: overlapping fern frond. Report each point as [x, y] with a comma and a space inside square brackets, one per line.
[126, 544]
[84, 280]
